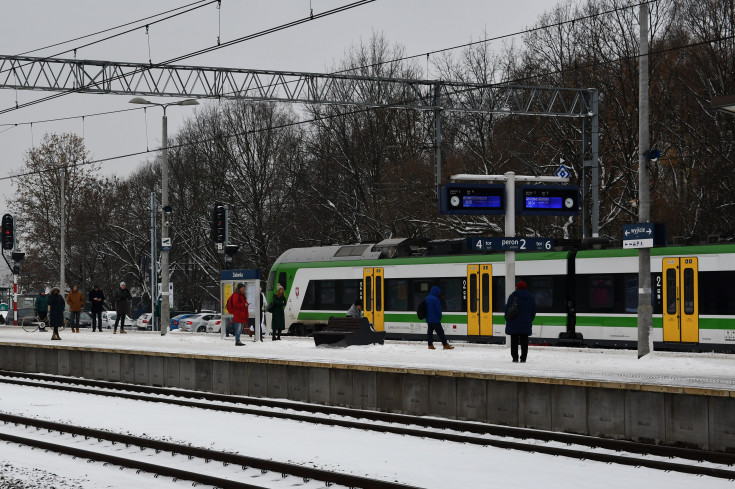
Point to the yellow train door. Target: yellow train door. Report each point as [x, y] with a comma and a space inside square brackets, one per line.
[373, 303]
[479, 300]
[681, 300]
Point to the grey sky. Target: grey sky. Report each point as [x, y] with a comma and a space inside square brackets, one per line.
[419, 25]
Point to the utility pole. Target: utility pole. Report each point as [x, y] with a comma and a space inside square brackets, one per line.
[154, 275]
[645, 311]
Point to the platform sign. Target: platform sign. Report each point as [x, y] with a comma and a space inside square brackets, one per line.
[509, 244]
[548, 200]
[638, 235]
[473, 199]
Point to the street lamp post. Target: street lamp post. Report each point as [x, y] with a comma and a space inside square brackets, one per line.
[165, 303]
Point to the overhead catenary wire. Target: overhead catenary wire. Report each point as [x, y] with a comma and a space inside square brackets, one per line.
[215, 47]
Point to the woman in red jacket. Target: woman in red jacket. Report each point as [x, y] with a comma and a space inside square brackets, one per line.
[237, 305]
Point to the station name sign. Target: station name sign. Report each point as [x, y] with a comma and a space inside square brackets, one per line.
[509, 244]
[548, 200]
[473, 199]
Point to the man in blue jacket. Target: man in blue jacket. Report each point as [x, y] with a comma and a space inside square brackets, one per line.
[519, 327]
[434, 318]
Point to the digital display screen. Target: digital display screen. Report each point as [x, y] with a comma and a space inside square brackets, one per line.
[481, 201]
[543, 202]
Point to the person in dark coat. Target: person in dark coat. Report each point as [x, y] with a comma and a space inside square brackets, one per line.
[97, 299]
[41, 307]
[519, 328]
[57, 304]
[434, 318]
[122, 306]
[278, 320]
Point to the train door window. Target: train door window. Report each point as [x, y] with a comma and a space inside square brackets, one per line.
[688, 291]
[396, 295]
[543, 292]
[486, 299]
[367, 302]
[631, 293]
[379, 293]
[473, 293]
[282, 279]
[671, 291]
[601, 293]
[327, 293]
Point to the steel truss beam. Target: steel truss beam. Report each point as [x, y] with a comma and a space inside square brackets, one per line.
[87, 76]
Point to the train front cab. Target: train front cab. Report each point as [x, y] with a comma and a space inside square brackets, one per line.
[680, 282]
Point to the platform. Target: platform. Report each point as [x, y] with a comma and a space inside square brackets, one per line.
[667, 398]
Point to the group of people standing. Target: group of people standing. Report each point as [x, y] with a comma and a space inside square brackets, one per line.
[50, 309]
[238, 305]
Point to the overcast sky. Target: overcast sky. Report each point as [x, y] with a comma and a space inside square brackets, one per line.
[418, 25]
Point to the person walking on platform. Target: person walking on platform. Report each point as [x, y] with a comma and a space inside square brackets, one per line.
[434, 319]
[41, 308]
[122, 305]
[356, 310]
[75, 299]
[56, 316]
[278, 320]
[519, 319]
[237, 305]
[97, 299]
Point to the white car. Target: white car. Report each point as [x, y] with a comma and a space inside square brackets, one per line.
[197, 322]
[144, 322]
[214, 325]
[109, 317]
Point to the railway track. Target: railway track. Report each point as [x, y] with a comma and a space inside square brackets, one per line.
[675, 459]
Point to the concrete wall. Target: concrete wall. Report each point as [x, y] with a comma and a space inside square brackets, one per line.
[700, 418]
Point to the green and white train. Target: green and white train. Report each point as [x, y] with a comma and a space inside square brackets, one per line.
[587, 297]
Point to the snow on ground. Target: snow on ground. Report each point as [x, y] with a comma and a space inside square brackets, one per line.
[704, 370]
[420, 462]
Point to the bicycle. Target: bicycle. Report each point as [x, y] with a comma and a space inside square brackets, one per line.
[32, 323]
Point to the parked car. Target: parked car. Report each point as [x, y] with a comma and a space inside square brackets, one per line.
[197, 322]
[85, 319]
[109, 317]
[144, 322]
[214, 325]
[174, 323]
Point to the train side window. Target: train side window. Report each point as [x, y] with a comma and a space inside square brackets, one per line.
[601, 293]
[688, 291]
[452, 294]
[543, 292]
[327, 293]
[396, 295]
[349, 292]
[310, 296]
[421, 289]
[631, 293]
[670, 291]
[282, 279]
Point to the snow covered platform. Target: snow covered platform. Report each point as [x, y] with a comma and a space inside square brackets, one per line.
[669, 398]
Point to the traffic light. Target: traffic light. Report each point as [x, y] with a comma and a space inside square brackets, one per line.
[8, 232]
[219, 222]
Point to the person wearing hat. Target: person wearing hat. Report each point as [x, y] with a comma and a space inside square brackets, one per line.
[278, 319]
[122, 305]
[41, 308]
[56, 306]
[97, 299]
[519, 319]
[237, 305]
[355, 311]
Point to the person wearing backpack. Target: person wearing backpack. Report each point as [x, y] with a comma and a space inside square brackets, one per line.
[237, 305]
[434, 319]
[519, 319]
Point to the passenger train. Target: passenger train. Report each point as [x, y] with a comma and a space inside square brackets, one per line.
[583, 297]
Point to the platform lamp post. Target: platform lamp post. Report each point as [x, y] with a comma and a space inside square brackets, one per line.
[165, 303]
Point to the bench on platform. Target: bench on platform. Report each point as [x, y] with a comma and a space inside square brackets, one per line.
[343, 331]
